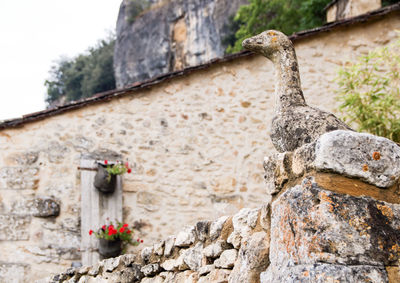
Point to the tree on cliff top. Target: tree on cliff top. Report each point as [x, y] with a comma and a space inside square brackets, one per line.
[83, 76]
[287, 16]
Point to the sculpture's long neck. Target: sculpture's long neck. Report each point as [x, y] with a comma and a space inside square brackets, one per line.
[288, 91]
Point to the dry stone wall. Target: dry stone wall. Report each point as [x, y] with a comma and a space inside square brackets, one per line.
[310, 233]
[196, 144]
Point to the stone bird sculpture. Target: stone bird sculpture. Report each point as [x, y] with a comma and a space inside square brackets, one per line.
[295, 123]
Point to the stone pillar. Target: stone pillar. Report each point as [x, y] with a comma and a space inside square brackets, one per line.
[336, 213]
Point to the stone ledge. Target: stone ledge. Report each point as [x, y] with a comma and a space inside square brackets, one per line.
[320, 272]
[371, 159]
[311, 225]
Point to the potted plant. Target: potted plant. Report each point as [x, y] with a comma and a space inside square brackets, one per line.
[106, 176]
[113, 238]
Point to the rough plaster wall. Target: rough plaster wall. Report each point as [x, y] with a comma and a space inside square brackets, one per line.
[197, 144]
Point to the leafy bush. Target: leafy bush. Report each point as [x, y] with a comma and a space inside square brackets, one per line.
[83, 76]
[369, 92]
[287, 16]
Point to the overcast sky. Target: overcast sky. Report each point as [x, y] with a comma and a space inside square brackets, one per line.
[34, 34]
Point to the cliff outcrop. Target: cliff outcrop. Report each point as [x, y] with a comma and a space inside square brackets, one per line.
[169, 36]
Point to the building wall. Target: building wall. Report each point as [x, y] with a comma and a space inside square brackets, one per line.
[196, 144]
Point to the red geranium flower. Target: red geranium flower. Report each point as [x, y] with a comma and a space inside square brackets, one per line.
[129, 170]
[105, 162]
[104, 227]
[125, 225]
[121, 230]
[128, 232]
[90, 232]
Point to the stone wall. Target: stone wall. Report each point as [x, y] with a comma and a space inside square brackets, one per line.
[310, 233]
[196, 144]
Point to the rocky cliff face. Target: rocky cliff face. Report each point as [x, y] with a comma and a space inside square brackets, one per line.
[169, 36]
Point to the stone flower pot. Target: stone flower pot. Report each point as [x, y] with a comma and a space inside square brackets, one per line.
[110, 248]
[103, 182]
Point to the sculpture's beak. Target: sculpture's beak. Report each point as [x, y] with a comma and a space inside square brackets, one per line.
[246, 43]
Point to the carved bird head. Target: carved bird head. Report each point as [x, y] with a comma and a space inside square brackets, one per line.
[268, 43]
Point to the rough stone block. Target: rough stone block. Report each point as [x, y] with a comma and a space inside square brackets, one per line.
[150, 269]
[169, 245]
[193, 256]
[243, 223]
[216, 275]
[311, 225]
[39, 207]
[186, 237]
[319, 273]
[227, 259]
[214, 250]
[216, 227]
[202, 230]
[13, 272]
[14, 228]
[253, 258]
[19, 178]
[374, 159]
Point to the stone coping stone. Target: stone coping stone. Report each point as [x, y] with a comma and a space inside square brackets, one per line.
[376, 160]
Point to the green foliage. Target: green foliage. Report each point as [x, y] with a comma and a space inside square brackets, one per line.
[389, 2]
[287, 16]
[369, 92]
[134, 8]
[83, 76]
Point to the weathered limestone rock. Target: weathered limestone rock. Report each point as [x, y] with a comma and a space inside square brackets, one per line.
[159, 248]
[169, 245]
[194, 31]
[176, 264]
[214, 250]
[311, 225]
[148, 255]
[276, 171]
[193, 257]
[319, 272]
[206, 269]
[19, 178]
[227, 259]
[373, 159]
[111, 263]
[202, 230]
[14, 227]
[253, 258]
[243, 222]
[10, 272]
[186, 237]
[216, 227]
[216, 276]
[39, 207]
[45, 207]
[150, 269]
[311, 123]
